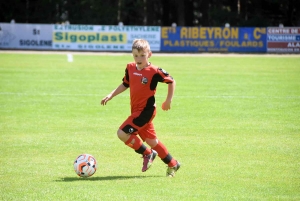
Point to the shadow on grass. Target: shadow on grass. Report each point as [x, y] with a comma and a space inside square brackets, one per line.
[70, 179]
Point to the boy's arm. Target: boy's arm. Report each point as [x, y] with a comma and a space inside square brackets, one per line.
[115, 92]
[171, 89]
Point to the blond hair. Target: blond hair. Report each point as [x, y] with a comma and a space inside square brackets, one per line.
[141, 44]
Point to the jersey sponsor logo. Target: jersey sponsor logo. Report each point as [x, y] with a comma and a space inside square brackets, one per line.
[138, 74]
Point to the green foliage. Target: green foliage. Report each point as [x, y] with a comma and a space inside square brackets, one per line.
[154, 12]
[234, 125]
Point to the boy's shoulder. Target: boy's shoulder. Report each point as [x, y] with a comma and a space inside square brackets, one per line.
[131, 64]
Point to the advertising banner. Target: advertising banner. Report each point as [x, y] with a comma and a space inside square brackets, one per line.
[283, 40]
[25, 36]
[213, 39]
[102, 37]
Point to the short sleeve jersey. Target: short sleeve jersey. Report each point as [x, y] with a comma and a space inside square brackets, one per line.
[142, 84]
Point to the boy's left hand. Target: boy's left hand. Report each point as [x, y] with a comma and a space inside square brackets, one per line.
[166, 105]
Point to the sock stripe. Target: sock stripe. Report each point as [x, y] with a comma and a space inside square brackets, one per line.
[167, 159]
[141, 150]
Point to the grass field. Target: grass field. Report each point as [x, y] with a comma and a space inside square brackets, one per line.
[234, 126]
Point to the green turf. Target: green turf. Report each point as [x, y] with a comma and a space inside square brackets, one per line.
[234, 125]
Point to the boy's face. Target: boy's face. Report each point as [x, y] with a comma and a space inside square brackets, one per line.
[141, 57]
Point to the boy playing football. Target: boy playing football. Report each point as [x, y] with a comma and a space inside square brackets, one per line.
[142, 78]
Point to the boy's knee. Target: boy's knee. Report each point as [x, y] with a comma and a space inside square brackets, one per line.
[122, 135]
[152, 142]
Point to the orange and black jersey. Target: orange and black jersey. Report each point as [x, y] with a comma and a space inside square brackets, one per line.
[142, 84]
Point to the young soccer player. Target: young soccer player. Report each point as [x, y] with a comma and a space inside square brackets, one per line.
[142, 78]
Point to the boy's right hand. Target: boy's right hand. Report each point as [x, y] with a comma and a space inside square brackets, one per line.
[106, 99]
[115, 92]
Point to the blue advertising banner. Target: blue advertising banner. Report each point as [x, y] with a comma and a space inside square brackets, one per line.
[213, 39]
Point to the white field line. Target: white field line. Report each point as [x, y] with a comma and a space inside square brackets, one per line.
[154, 53]
[176, 96]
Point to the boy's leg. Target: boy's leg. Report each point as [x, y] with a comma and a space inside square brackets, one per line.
[134, 142]
[149, 135]
[164, 154]
[173, 165]
[131, 127]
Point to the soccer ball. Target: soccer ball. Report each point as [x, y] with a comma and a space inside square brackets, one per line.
[85, 165]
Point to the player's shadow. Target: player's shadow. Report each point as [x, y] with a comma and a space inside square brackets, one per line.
[71, 179]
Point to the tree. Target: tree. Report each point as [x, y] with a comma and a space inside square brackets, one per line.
[91, 11]
[154, 12]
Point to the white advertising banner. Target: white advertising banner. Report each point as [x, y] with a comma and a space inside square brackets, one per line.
[102, 37]
[25, 36]
[283, 39]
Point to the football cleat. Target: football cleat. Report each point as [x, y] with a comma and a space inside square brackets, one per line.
[172, 170]
[148, 160]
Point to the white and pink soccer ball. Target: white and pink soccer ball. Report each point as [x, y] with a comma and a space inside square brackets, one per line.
[85, 165]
